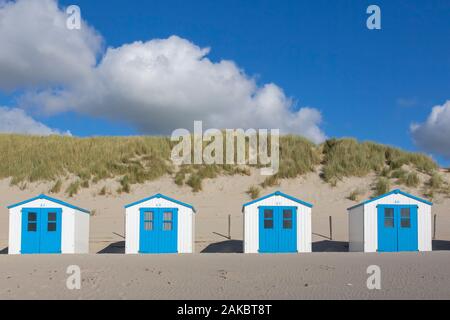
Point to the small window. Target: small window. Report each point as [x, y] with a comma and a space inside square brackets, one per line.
[406, 223]
[148, 226]
[32, 227]
[268, 224]
[268, 214]
[287, 214]
[167, 226]
[389, 218]
[51, 226]
[405, 215]
[148, 216]
[52, 216]
[32, 216]
[287, 224]
[168, 216]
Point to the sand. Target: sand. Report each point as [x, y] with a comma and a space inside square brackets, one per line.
[216, 270]
[228, 276]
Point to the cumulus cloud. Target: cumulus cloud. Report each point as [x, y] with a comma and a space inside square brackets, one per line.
[156, 86]
[38, 50]
[13, 120]
[434, 134]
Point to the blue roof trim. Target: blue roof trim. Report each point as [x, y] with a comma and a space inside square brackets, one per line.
[159, 195]
[278, 193]
[43, 196]
[396, 191]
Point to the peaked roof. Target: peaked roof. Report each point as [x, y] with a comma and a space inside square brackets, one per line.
[278, 193]
[44, 197]
[159, 195]
[396, 191]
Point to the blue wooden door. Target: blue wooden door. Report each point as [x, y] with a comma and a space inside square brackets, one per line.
[397, 228]
[31, 228]
[407, 228]
[158, 230]
[387, 229]
[50, 241]
[277, 229]
[41, 230]
[288, 229]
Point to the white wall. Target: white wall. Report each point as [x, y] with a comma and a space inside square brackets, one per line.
[81, 232]
[67, 226]
[356, 229]
[251, 223]
[371, 221]
[185, 225]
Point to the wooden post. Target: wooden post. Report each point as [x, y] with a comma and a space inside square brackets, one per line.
[229, 226]
[331, 228]
[434, 227]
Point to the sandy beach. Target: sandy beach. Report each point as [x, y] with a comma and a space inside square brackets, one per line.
[228, 276]
[217, 270]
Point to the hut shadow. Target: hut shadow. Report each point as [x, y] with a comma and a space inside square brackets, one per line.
[330, 246]
[229, 246]
[441, 245]
[114, 248]
[4, 251]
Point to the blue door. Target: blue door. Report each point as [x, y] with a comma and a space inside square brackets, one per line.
[158, 230]
[397, 228]
[277, 229]
[41, 230]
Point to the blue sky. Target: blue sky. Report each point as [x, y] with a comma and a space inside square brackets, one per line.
[368, 84]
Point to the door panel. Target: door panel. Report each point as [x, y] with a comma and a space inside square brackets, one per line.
[277, 229]
[268, 235]
[31, 228]
[50, 241]
[41, 230]
[397, 228]
[158, 230]
[387, 229]
[407, 229]
[288, 230]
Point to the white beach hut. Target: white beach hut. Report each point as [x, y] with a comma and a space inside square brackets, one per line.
[159, 224]
[277, 223]
[396, 221]
[44, 225]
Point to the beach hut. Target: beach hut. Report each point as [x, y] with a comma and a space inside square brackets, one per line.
[159, 224]
[277, 223]
[46, 225]
[396, 221]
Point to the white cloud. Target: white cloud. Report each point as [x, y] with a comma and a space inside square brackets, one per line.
[37, 49]
[13, 120]
[434, 134]
[156, 86]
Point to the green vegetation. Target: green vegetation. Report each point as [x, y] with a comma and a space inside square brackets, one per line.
[73, 188]
[355, 194]
[382, 186]
[254, 192]
[133, 160]
[436, 181]
[412, 180]
[347, 157]
[57, 187]
[102, 191]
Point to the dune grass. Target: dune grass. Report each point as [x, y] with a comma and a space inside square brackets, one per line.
[347, 157]
[132, 160]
